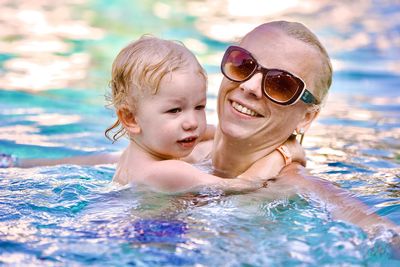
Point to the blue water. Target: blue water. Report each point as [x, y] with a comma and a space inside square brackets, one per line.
[71, 215]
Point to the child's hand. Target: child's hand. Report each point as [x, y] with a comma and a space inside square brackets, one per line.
[243, 185]
[297, 151]
[209, 133]
[8, 161]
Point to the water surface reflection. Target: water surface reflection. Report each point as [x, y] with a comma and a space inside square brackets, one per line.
[55, 59]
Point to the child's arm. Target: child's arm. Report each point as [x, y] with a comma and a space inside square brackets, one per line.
[175, 176]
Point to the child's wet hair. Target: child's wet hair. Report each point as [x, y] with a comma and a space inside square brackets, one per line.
[139, 68]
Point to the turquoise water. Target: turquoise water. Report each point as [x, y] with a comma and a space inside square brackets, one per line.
[54, 69]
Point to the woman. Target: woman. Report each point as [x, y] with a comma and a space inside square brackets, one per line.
[274, 84]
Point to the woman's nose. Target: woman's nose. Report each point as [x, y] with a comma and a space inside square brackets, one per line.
[253, 85]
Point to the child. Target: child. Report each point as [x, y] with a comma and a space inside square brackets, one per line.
[159, 94]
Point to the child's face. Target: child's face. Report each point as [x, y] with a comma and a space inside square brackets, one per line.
[173, 120]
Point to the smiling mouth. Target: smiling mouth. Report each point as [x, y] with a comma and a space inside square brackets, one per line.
[244, 110]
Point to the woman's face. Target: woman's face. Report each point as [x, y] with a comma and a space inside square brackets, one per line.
[244, 112]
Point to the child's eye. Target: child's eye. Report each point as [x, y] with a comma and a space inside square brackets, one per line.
[174, 110]
[200, 107]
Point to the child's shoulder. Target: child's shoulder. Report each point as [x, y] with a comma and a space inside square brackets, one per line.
[167, 175]
[165, 167]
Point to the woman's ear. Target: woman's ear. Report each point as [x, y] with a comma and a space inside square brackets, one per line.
[309, 117]
[128, 120]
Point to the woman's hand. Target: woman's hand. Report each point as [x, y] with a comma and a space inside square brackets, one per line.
[296, 150]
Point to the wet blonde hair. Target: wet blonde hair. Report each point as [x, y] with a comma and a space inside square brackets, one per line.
[140, 67]
[302, 33]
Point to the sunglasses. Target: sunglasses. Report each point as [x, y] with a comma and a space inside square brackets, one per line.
[280, 86]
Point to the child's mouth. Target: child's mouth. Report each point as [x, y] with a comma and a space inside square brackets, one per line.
[188, 142]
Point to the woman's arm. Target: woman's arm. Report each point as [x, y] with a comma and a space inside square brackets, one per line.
[340, 202]
[93, 159]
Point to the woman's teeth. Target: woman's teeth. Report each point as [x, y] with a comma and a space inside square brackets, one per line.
[244, 110]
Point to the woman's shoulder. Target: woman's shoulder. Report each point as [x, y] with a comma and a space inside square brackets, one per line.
[299, 177]
[200, 153]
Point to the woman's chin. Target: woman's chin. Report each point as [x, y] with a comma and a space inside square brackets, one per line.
[235, 131]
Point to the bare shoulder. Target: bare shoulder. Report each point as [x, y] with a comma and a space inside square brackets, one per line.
[201, 152]
[296, 179]
[166, 166]
[293, 174]
[170, 176]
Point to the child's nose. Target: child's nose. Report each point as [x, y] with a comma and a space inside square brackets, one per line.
[190, 123]
[253, 85]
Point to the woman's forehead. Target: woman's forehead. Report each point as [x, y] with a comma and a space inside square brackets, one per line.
[276, 49]
[276, 45]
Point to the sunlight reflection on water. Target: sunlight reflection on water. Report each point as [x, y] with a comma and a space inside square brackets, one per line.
[55, 59]
[41, 49]
[35, 37]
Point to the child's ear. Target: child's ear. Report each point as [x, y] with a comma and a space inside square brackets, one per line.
[128, 120]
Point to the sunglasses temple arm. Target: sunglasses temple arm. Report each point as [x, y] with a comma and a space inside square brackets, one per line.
[308, 98]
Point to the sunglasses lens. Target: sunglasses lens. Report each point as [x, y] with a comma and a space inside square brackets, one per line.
[238, 66]
[282, 86]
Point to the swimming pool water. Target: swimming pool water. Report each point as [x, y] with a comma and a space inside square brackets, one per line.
[73, 215]
[52, 105]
